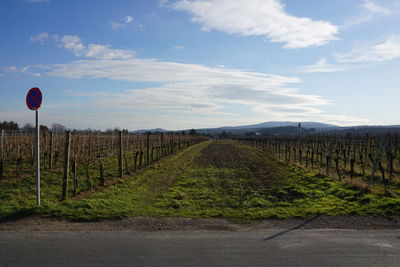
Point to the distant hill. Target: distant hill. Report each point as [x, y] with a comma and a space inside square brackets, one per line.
[260, 127]
[272, 124]
[289, 128]
[394, 129]
[156, 130]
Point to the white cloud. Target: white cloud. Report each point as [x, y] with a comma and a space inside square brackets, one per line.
[163, 3]
[259, 18]
[374, 8]
[124, 22]
[24, 69]
[178, 88]
[74, 44]
[105, 52]
[129, 19]
[38, 1]
[87, 93]
[15, 69]
[195, 89]
[116, 25]
[370, 10]
[178, 47]
[40, 37]
[322, 65]
[388, 50]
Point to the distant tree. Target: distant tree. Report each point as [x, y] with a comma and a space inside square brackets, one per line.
[28, 127]
[224, 134]
[251, 134]
[57, 127]
[11, 126]
[44, 128]
[192, 132]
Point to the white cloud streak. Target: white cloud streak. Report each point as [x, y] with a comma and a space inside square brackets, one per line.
[388, 50]
[370, 10]
[358, 58]
[178, 88]
[124, 22]
[195, 89]
[74, 44]
[259, 18]
[40, 37]
[38, 1]
[178, 47]
[374, 8]
[322, 65]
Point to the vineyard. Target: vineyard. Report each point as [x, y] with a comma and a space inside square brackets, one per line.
[97, 175]
[371, 160]
[75, 162]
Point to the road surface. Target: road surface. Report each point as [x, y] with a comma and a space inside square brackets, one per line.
[270, 247]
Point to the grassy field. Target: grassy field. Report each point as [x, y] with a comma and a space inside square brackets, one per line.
[211, 179]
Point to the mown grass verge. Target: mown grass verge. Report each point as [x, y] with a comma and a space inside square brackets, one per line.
[216, 179]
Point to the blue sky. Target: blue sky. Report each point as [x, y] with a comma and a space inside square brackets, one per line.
[182, 64]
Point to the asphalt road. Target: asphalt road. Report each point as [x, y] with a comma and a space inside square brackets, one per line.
[253, 248]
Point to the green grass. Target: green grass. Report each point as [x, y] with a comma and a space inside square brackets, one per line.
[211, 179]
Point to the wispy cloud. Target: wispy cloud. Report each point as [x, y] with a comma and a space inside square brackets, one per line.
[40, 37]
[322, 65]
[360, 57]
[178, 47]
[38, 1]
[15, 69]
[188, 88]
[385, 51]
[259, 18]
[74, 44]
[163, 3]
[370, 10]
[87, 93]
[124, 22]
[29, 69]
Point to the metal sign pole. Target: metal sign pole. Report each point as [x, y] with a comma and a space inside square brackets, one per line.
[37, 143]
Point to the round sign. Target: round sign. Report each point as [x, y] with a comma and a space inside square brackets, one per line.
[34, 98]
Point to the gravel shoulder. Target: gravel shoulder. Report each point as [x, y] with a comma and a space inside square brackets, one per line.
[151, 224]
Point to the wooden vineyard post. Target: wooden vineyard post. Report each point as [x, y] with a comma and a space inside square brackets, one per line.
[66, 164]
[140, 159]
[135, 161]
[1, 154]
[51, 150]
[102, 181]
[74, 172]
[148, 149]
[172, 143]
[329, 158]
[120, 163]
[162, 144]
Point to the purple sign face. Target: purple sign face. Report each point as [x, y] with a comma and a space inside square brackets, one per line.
[34, 98]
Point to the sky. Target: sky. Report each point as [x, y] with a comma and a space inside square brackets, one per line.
[181, 64]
